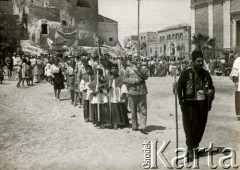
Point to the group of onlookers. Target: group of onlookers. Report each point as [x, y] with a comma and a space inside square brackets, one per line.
[26, 68]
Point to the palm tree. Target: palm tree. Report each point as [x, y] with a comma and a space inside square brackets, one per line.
[200, 41]
[203, 42]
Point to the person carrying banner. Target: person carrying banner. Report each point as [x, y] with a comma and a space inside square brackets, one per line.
[195, 93]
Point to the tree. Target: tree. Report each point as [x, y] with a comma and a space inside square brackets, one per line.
[200, 41]
[203, 42]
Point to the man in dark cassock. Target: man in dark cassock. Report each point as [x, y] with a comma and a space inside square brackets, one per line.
[195, 92]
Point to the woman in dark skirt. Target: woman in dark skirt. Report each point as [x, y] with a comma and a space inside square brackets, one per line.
[58, 78]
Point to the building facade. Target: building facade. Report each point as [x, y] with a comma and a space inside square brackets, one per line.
[171, 41]
[65, 16]
[175, 41]
[219, 19]
[12, 28]
[107, 30]
[131, 42]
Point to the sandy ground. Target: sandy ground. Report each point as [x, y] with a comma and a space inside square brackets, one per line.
[38, 132]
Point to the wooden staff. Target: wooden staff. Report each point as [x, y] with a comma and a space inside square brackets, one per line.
[110, 105]
[90, 110]
[75, 87]
[98, 106]
[176, 110]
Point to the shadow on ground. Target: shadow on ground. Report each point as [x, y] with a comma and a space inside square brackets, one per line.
[151, 128]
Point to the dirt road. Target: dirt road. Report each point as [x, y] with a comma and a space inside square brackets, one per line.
[38, 132]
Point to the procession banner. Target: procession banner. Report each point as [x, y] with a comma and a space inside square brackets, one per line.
[31, 47]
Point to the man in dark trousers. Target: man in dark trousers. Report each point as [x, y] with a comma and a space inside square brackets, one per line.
[195, 92]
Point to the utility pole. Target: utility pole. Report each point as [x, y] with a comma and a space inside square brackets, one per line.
[138, 50]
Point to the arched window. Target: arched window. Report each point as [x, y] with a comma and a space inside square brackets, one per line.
[181, 36]
[84, 3]
[177, 36]
[173, 37]
[172, 49]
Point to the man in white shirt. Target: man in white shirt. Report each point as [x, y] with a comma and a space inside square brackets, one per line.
[235, 78]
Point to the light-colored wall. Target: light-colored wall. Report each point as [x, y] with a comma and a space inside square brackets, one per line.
[152, 48]
[218, 24]
[210, 19]
[226, 25]
[108, 30]
[201, 19]
[235, 6]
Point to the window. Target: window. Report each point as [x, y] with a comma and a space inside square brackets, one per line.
[144, 37]
[141, 38]
[177, 36]
[84, 3]
[64, 22]
[150, 50]
[181, 36]
[160, 49]
[110, 39]
[173, 36]
[183, 47]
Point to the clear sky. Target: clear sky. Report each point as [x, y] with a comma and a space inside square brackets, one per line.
[154, 14]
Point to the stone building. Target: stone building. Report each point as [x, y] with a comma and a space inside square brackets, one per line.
[131, 42]
[175, 41]
[107, 30]
[45, 17]
[12, 28]
[145, 39]
[171, 41]
[219, 19]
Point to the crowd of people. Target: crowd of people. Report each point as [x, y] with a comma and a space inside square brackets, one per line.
[106, 87]
[103, 86]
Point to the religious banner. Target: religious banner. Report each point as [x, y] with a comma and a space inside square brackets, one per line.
[31, 47]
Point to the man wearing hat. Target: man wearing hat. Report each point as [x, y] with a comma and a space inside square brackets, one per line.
[135, 77]
[195, 92]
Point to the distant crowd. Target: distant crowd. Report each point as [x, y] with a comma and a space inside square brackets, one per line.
[35, 68]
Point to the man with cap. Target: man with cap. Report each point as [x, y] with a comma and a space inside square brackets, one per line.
[195, 92]
[135, 78]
